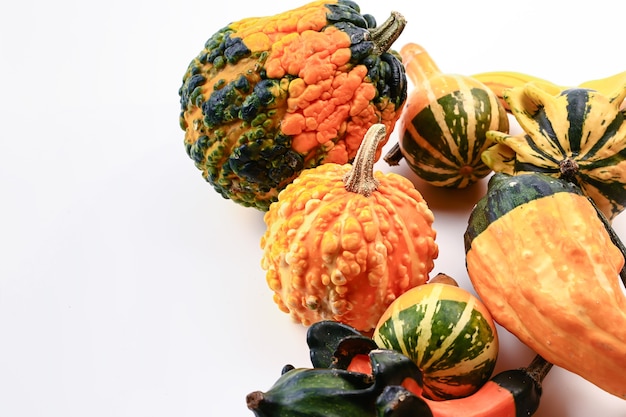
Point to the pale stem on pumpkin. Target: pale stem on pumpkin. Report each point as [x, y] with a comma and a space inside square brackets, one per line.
[385, 35]
[360, 179]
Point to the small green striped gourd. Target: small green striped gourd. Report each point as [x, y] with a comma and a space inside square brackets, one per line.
[444, 123]
[447, 332]
[577, 134]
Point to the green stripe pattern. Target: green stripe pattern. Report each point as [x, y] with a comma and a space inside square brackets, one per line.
[439, 141]
[578, 135]
[454, 350]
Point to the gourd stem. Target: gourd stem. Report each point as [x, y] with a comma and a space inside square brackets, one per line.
[385, 35]
[443, 279]
[254, 400]
[360, 179]
[394, 156]
[538, 368]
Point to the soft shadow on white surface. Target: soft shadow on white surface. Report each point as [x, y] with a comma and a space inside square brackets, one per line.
[128, 287]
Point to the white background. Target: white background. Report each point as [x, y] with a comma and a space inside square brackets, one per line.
[128, 287]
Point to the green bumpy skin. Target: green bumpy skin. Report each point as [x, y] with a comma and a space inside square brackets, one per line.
[258, 107]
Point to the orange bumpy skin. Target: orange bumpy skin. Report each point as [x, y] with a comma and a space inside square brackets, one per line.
[329, 99]
[548, 272]
[270, 96]
[332, 254]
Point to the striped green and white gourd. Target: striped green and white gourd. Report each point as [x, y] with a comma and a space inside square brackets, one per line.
[447, 332]
[444, 123]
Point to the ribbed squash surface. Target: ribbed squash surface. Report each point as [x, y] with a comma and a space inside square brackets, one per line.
[332, 254]
[577, 134]
[444, 124]
[270, 96]
[447, 332]
[443, 142]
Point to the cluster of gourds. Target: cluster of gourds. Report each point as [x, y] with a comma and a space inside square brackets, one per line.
[289, 113]
[352, 376]
[553, 282]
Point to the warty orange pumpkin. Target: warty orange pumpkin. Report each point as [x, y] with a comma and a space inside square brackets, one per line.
[342, 241]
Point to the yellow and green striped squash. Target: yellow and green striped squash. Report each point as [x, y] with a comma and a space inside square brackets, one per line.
[447, 332]
[577, 134]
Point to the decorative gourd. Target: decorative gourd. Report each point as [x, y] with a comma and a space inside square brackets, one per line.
[326, 392]
[386, 384]
[270, 96]
[447, 332]
[444, 123]
[578, 134]
[501, 81]
[343, 242]
[540, 257]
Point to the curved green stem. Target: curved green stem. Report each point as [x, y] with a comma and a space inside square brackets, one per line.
[386, 34]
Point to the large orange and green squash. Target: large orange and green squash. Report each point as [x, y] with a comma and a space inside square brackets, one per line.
[270, 96]
[546, 264]
[343, 242]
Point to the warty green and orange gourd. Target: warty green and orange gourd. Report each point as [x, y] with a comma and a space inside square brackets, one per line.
[270, 96]
[343, 242]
